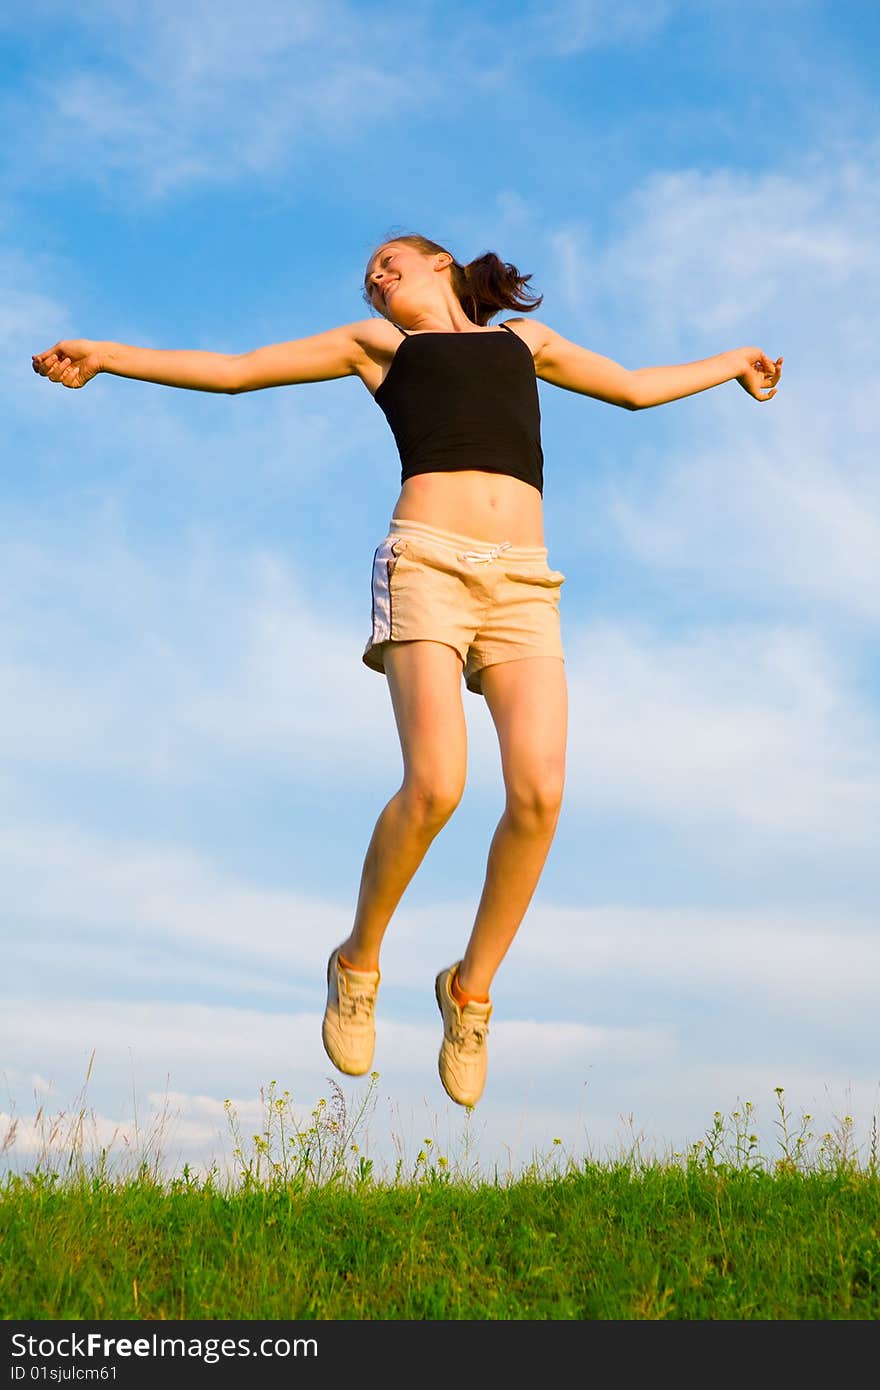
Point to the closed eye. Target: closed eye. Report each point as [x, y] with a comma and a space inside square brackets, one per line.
[369, 287]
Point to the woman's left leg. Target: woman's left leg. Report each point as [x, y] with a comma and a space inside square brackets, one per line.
[528, 702]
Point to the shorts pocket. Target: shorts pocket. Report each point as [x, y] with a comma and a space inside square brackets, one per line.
[545, 578]
[389, 554]
[406, 556]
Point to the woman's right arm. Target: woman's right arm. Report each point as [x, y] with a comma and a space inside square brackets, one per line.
[75, 361]
[323, 357]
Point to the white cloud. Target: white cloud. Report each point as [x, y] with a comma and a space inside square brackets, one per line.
[777, 520]
[150, 666]
[745, 726]
[106, 903]
[776, 504]
[208, 1054]
[118, 664]
[162, 896]
[798, 963]
[718, 253]
[168, 95]
[567, 27]
[583, 1084]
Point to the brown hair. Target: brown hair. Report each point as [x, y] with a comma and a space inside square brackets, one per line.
[483, 286]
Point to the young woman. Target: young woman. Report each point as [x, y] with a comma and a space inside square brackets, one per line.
[461, 586]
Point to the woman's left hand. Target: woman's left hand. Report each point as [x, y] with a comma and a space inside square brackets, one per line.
[759, 375]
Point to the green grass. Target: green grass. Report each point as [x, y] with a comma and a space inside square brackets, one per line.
[302, 1228]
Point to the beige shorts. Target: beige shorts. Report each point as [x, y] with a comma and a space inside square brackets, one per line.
[490, 603]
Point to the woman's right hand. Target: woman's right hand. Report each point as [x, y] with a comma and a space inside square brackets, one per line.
[71, 363]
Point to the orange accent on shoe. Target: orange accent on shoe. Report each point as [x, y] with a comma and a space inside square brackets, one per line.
[347, 965]
[463, 998]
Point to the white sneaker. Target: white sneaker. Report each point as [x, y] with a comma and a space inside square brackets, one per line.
[463, 1055]
[349, 1029]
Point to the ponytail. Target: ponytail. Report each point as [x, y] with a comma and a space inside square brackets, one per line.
[485, 285]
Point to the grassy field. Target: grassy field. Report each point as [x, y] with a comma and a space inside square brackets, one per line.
[303, 1229]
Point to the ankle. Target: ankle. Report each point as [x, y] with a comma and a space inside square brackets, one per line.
[355, 964]
[462, 996]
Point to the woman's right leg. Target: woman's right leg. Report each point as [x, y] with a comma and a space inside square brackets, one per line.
[424, 679]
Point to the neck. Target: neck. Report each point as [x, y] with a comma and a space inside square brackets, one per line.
[447, 316]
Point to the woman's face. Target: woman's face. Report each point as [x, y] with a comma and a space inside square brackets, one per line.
[401, 277]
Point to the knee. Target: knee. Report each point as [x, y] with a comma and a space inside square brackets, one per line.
[534, 804]
[431, 801]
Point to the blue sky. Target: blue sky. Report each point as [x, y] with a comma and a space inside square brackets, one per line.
[194, 755]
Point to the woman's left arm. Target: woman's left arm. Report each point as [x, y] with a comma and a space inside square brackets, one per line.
[574, 368]
[751, 367]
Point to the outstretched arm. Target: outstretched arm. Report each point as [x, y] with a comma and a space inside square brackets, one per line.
[749, 366]
[336, 353]
[75, 361]
[574, 368]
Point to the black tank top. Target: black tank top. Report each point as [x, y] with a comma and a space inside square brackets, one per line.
[465, 400]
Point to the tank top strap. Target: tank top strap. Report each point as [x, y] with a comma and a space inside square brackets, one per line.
[509, 329]
[402, 330]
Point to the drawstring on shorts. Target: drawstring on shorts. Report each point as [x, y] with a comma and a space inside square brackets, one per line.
[484, 557]
[471, 550]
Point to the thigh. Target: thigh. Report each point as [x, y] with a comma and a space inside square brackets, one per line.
[522, 619]
[528, 702]
[424, 678]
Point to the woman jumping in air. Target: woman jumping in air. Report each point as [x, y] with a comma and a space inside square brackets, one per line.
[461, 586]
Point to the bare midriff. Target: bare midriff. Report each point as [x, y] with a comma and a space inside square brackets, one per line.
[489, 507]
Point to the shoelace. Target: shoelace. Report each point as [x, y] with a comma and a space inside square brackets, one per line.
[483, 557]
[470, 1037]
[359, 1002]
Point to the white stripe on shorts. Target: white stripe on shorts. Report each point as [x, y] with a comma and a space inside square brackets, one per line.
[382, 592]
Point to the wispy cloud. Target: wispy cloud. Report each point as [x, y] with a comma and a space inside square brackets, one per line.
[713, 252]
[118, 896]
[208, 1054]
[594, 1087]
[165, 96]
[566, 27]
[775, 524]
[733, 726]
[118, 664]
[776, 504]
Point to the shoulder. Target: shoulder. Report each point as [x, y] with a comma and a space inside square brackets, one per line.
[373, 343]
[376, 338]
[535, 335]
